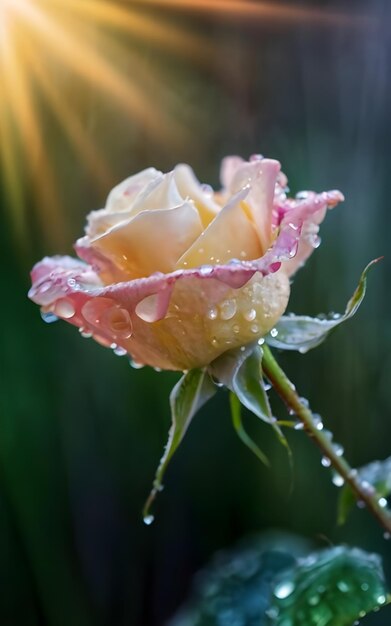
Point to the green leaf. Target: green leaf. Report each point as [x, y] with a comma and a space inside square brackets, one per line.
[238, 425]
[302, 333]
[235, 588]
[240, 371]
[187, 397]
[333, 587]
[376, 475]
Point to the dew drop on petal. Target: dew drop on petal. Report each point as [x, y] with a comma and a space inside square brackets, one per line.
[236, 329]
[119, 351]
[227, 309]
[250, 315]
[135, 364]
[212, 313]
[254, 328]
[64, 308]
[119, 322]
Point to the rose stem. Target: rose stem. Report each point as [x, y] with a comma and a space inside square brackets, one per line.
[289, 395]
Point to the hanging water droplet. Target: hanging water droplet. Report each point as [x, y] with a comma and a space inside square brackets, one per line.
[267, 386]
[119, 351]
[261, 341]
[64, 308]
[227, 309]
[299, 426]
[135, 364]
[49, 317]
[383, 503]
[337, 480]
[85, 333]
[325, 461]
[304, 402]
[381, 599]
[148, 519]
[284, 589]
[250, 315]
[274, 332]
[212, 313]
[338, 449]
[367, 487]
[318, 421]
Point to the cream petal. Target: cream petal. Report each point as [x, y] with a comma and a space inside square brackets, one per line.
[152, 241]
[230, 235]
[160, 194]
[189, 187]
[122, 197]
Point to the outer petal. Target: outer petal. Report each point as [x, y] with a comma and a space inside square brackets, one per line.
[174, 321]
[304, 215]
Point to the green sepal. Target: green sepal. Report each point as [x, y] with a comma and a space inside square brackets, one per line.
[190, 393]
[302, 332]
[240, 431]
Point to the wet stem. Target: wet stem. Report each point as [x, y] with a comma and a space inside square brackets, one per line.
[295, 404]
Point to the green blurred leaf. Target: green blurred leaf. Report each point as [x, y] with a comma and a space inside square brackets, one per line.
[234, 590]
[302, 333]
[187, 397]
[375, 475]
[333, 587]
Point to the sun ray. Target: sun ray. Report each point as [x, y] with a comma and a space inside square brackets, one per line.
[264, 11]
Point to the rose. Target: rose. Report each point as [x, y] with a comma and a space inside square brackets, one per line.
[174, 274]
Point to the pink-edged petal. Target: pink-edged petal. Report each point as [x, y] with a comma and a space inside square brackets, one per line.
[122, 197]
[230, 235]
[151, 241]
[229, 167]
[174, 321]
[303, 216]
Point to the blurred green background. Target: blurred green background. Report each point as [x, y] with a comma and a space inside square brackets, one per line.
[80, 431]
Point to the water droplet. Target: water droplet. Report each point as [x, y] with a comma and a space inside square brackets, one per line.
[214, 341]
[212, 313]
[135, 364]
[325, 461]
[338, 449]
[337, 480]
[284, 589]
[360, 504]
[49, 317]
[148, 519]
[227, 309]
[314, 600]
[119, 322]
[381, 599]
[119, 351]
[383, 503]
[261, 341]
[387, 536]
[254, 328]
[343, 586]
[255, 157]
[317, 420]
[304, 402]
[85, 333]
[207, 190]
[364, 587]
[205, 270]
[298, 425]
[367, 487]
[274, 332]
[64, 308]
[250, 315]
[235, 329]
